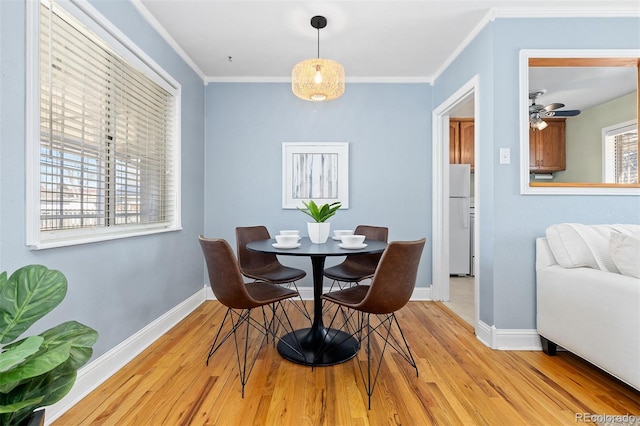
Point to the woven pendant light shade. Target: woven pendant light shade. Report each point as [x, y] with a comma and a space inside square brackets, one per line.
[317, 80]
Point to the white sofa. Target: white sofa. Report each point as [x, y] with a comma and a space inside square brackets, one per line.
[588, 295]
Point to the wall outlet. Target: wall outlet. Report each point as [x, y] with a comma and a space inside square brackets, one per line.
[505, 156]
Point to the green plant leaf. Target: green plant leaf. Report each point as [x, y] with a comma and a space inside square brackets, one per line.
[69, 342]
[38, 370]
[15, 355]
[322, 213]
[20, 405]
[43, 361]
[21, 402]
[79, 336]
[60, 383]
[30, 293]
[37, 392]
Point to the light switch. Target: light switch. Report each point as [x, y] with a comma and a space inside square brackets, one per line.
[505, 156]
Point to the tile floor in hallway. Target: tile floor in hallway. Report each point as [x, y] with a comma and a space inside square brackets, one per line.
[461, 301]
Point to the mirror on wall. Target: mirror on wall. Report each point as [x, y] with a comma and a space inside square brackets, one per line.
[579, 121]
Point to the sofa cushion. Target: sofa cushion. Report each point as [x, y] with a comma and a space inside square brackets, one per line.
[576, 245]
[625, 252]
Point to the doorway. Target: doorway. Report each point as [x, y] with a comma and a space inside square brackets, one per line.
[456, 105]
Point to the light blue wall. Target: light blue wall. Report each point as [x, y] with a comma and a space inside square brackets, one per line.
[519, 219]
[388, 127]
[120, 286]
[474, 61]
[510, 222]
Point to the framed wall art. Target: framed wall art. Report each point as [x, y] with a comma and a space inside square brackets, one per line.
[316, 171]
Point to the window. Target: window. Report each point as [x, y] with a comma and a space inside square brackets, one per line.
[621, 153]
[107, 154]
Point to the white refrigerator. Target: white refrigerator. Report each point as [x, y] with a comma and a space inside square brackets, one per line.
[459, 219]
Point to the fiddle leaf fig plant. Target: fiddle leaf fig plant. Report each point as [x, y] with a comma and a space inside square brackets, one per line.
[320, 213]
[37, 371]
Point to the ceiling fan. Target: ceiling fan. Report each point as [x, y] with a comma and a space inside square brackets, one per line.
[537, 112]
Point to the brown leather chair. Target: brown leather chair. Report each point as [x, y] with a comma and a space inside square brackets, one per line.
[240, 298]
[357, 268]
[265, 266]
[390, 290]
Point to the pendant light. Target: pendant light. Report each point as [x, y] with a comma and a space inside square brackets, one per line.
[318, 79]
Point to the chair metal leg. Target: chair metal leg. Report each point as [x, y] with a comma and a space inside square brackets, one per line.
[303, 308]
[270, 324]
[213, 347]
[238, 318]
[401, 347]
[384, 329]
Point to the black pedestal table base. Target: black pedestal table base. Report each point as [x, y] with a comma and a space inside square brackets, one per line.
[306, 348]
[318, 345]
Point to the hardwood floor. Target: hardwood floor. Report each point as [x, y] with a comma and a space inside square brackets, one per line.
[461, 382]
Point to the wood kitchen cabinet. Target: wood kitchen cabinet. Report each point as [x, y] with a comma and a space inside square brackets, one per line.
[461, 143]
[547, 147]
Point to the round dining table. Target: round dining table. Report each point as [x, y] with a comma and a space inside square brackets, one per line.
[317, 345]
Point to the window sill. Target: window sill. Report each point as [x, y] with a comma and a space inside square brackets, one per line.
[73, 241]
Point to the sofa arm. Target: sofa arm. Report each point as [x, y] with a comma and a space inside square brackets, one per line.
[544, 256]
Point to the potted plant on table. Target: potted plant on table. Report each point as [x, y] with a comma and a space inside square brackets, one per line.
[36, 371]
[320, 228]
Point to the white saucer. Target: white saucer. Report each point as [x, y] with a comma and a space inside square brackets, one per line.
[280, 246]
[363, 245]
[336, 238]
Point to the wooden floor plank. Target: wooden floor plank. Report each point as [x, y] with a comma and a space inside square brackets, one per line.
[460, 382]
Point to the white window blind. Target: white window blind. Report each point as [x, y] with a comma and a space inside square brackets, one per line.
[621, 153]
[106, 136]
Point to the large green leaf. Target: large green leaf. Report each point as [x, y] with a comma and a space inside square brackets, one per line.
[61, 382]
[43, 361]
[37, 392]
[30, 293]
[15, 355]
[20, 405]
[81, 338]
[320, 213]
[69, 342]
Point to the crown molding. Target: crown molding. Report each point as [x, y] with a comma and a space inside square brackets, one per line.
[350, 80]
[608, 11]
[167, 37]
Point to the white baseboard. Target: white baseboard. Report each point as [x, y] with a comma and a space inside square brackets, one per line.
[508, 339]
[103, 367]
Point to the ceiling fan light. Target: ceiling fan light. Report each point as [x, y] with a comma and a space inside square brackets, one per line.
[536, 123]
[318, 79]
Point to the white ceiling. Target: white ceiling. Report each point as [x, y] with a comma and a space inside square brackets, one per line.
[567, 85]
[375, 41]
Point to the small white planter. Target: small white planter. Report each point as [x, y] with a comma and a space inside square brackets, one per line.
[318, 232]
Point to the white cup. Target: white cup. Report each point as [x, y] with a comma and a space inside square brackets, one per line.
[286, 240]
[338, 233]
[353, 240]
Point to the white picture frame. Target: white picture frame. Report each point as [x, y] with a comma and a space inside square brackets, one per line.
[316, 171]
